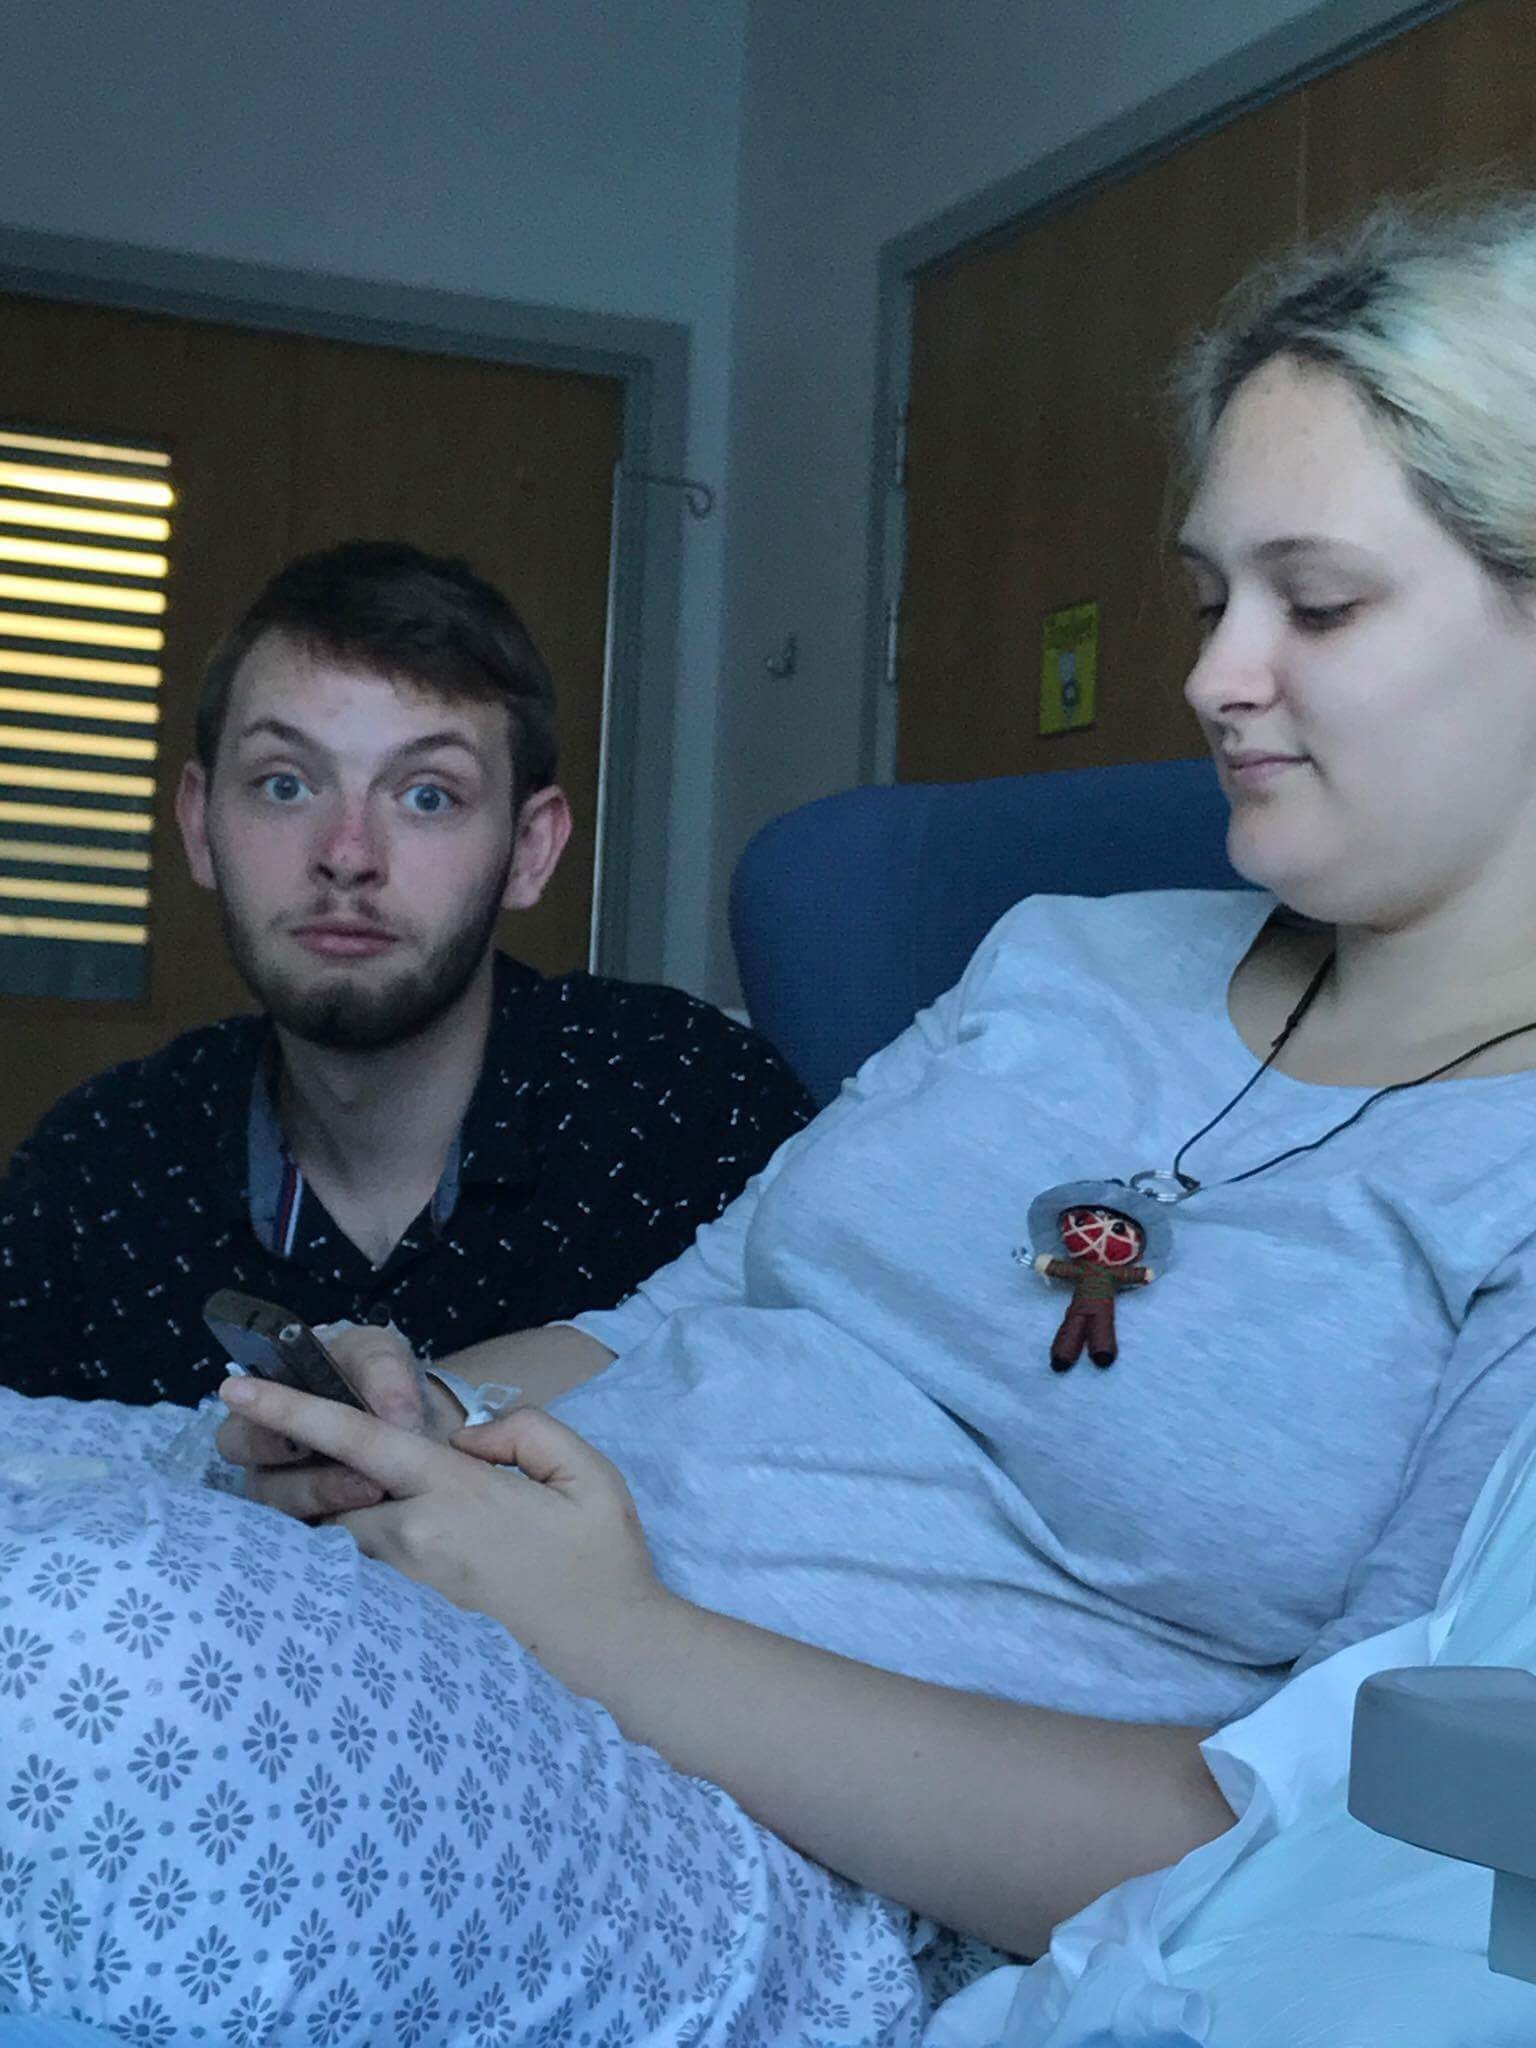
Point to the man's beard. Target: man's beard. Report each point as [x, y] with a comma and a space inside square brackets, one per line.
[343, 1017]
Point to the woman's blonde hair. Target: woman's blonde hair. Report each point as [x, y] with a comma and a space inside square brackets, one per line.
[1429, 312]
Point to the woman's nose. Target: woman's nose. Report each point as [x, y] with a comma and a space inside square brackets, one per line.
[1236, 671]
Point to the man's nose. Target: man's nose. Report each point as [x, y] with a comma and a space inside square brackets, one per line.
[349, 848]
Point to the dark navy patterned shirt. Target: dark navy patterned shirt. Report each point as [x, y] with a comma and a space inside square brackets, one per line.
[610, 1120]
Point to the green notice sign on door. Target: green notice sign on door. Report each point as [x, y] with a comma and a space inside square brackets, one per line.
[1069, 668]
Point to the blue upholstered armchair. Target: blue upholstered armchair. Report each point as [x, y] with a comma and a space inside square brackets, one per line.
[849, 914]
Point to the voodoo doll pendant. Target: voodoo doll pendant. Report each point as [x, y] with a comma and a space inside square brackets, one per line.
[1094, 1236]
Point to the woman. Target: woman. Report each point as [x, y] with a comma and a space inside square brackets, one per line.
[945, 1620]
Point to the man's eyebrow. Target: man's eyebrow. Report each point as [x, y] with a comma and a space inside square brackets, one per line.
[295, 736]
[278, 729]
[433, 742]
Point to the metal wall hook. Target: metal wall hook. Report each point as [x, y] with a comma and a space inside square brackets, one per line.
[701, 499]
[786, 661]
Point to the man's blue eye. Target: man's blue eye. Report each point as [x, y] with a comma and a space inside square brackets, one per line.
[281, 788]
[427, 800]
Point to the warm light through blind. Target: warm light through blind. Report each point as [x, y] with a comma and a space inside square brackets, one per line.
[81, 632]
[52, 739]
[58, 853]
[99, 597]
[42, 890]
[80, 930]
[86, 451]
[57, 704]
[30, 661]
[85, 523]
[85, 483]
[34, 815]
[27, 775]
[86, 519]
[48, 554]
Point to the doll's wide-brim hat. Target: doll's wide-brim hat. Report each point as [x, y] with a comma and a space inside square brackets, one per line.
[1151, 1217]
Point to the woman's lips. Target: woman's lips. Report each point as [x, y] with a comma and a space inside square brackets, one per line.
[1247, 771]
[344, 941]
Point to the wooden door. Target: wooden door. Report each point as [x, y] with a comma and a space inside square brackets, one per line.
[1453, 100]
[1037, 470]
[1040, 471]
[279, 444]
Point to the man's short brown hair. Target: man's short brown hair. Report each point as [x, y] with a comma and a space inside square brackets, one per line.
[424, 620]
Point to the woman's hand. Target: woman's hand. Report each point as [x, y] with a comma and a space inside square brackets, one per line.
[377, 1364]
[380, 1369]
[516, 1518]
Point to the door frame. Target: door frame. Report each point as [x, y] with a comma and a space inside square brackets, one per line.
[1324, 39]
[649, 359]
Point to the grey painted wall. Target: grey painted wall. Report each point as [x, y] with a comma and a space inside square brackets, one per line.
[861, 121]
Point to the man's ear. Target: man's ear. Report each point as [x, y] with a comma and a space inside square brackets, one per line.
[543, 827]
[192, 817]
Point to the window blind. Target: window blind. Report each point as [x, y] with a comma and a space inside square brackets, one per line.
[85, 531]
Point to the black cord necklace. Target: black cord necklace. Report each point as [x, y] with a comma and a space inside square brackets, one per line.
[1185, 1185]
[1177, 1186]
[1106, 1235]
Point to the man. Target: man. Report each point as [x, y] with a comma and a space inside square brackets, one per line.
[418, 1128]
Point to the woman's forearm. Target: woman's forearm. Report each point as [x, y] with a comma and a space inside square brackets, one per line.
[992, 1817]
[545, 1363]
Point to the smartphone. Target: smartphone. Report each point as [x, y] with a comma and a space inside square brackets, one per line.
[268, 1341]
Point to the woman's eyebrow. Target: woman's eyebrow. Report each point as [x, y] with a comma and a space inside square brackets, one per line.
[1290, 547]
[1293, 547]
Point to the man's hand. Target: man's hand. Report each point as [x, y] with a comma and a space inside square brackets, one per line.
[518, 1518]
[378, 1366]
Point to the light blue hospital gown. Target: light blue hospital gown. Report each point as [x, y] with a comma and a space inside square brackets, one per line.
[256, 1788]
